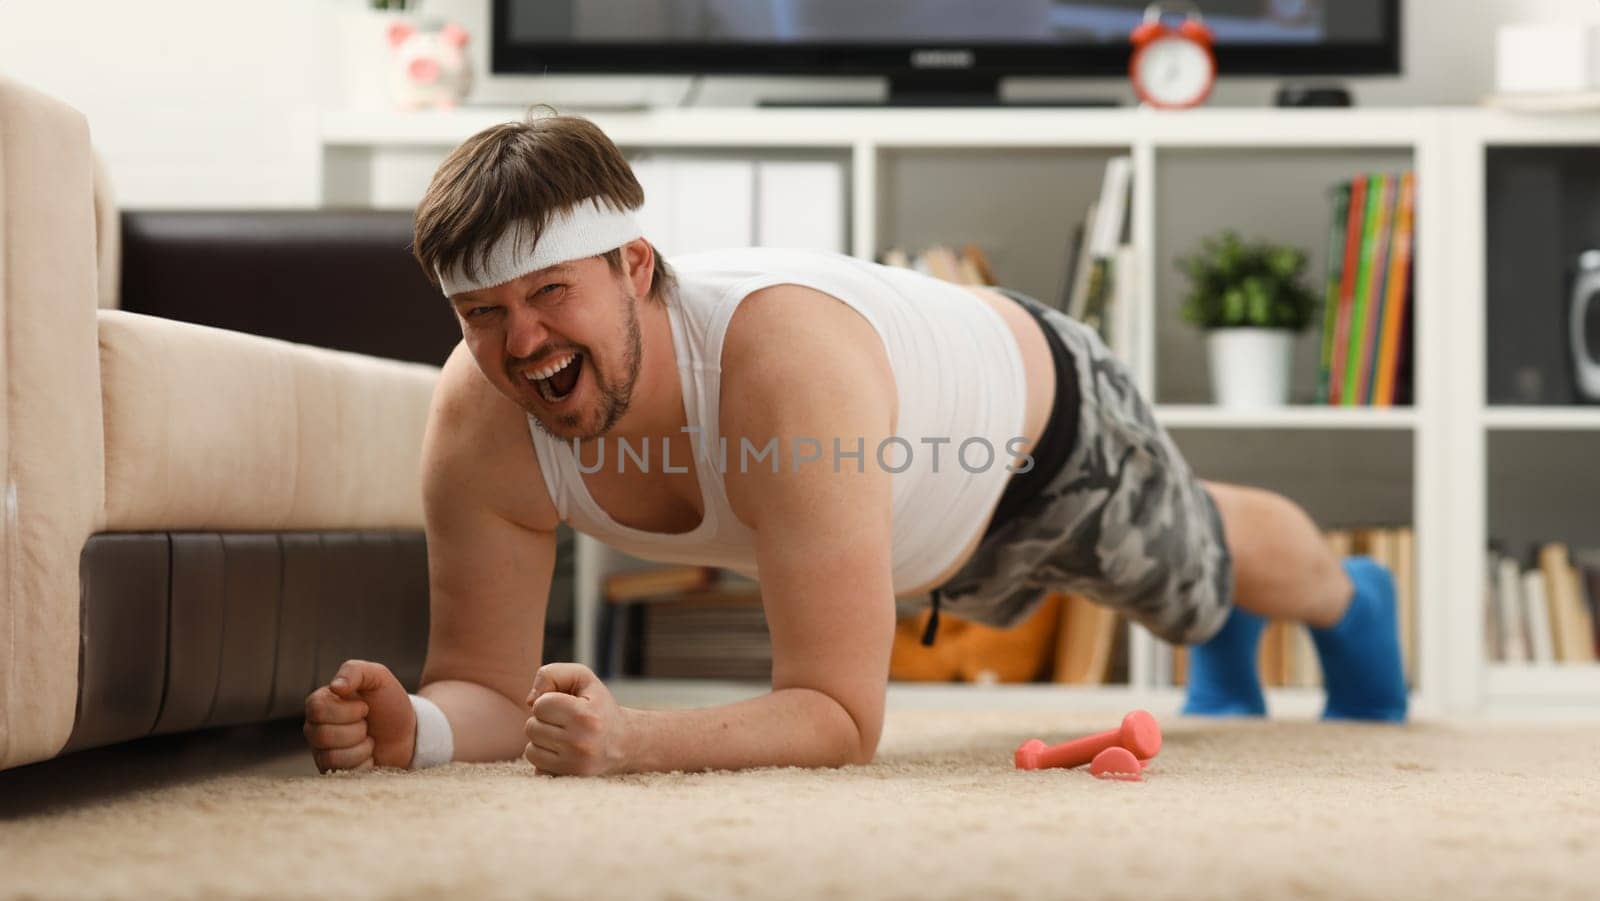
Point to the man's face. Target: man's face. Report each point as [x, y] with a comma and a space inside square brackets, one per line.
[562, 342]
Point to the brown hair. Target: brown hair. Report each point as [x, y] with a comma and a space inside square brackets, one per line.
[517, 175]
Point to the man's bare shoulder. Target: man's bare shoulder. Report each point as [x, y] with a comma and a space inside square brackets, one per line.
[799, 365]
[479, 451]
[785, 329]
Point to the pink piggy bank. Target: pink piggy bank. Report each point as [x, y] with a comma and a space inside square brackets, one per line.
[431, 68]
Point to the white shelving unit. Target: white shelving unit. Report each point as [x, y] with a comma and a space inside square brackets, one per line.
[1498, 689]
[387, 157]
[1561, 419]
[1199, 416]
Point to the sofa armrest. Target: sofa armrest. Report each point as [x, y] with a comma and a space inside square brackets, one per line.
[50, 439]
[108, 235]
[208, 429]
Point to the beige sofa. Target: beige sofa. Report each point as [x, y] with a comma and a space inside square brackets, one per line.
[197, 524]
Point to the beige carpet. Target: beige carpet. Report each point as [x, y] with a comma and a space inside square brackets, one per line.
[1235, 810]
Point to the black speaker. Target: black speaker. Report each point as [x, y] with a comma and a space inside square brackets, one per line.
[1584, 326]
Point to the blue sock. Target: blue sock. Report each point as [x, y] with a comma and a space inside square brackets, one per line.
[1224, 679]
[1360, 655]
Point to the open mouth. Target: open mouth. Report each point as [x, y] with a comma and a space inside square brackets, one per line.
[556, 381]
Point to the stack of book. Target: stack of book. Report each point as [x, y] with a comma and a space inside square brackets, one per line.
[1366, 334]
[968, 266]
[1092, 648]
[1100, 285]
[1287, 656]
[685, 622]
[1548, 612]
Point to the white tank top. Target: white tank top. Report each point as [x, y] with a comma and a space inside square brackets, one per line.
[958, 376]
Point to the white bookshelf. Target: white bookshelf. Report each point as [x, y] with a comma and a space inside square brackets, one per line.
[1500, 690]
[891, 127]
[1559, 419]
[384, 159]
[1540, 686]
[1199, 416]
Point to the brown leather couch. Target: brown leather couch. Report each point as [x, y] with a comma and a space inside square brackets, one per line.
[198, 524]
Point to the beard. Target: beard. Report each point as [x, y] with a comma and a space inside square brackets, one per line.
[614, 393]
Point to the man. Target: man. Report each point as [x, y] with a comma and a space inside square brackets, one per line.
[846, 432]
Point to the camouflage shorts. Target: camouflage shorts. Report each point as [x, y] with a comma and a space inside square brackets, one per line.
[1124, 522]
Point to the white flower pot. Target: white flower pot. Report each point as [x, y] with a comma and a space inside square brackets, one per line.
[1250, 366]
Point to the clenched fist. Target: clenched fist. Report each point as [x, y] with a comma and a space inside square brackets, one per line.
[576, 729]
[362, 718]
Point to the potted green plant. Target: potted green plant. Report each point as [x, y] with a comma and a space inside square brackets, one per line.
[1251, 298]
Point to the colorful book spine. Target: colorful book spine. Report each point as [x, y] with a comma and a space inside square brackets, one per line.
[1360, 336]
[1335, 270]
[1372, 329]
[1589, 571]
[1347, 283]
[1398, 291]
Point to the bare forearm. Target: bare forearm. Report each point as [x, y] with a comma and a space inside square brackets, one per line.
[789, 727]
[484, 724]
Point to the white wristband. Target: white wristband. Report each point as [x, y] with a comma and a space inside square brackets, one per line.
[435, 744]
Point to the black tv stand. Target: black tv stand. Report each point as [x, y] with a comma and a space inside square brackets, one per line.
[943, 90]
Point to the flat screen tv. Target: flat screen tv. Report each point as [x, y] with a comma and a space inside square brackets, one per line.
[930, 50]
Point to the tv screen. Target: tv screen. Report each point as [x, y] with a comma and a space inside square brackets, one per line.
[984, 38]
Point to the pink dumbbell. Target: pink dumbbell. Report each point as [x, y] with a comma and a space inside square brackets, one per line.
[1139, 734]
[1119, 764]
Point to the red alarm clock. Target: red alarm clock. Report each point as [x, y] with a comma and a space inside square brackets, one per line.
[1173, 68]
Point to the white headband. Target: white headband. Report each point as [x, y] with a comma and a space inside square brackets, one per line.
[583, 230]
